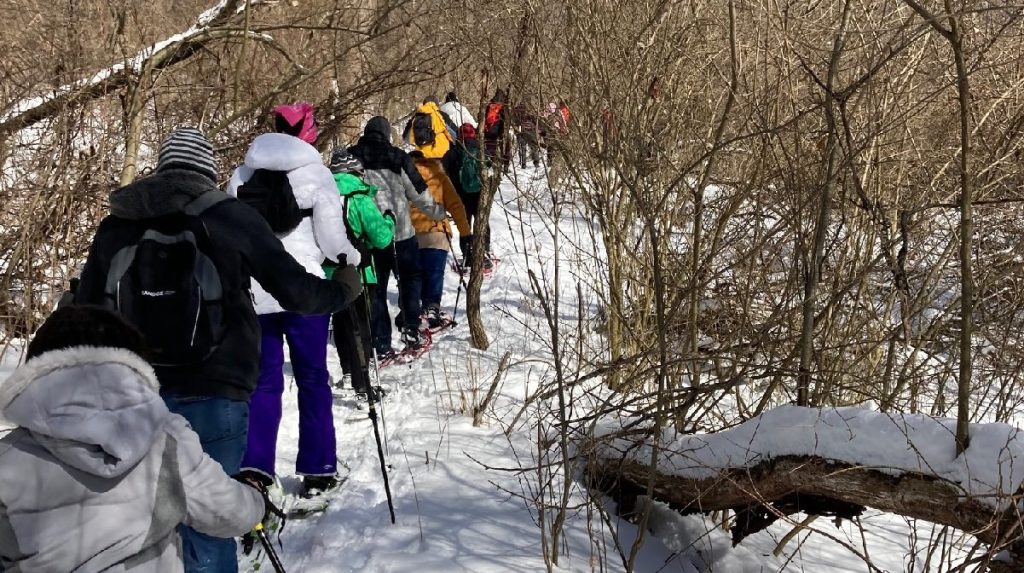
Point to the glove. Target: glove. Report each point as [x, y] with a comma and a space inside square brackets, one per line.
[260, 482]
[347, 277]
[390, 215]
[466, 246]
[364, 252]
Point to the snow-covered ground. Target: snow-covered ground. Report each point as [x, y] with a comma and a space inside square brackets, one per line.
[466, 497]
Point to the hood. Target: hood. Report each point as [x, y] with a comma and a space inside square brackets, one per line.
[299, 114]
[162, 193]
[378, 128]
[429, 107]
[349, 184]
[280, 152]
[95, 409]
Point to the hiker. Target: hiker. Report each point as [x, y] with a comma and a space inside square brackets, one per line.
[434, 237]
[367, 229]
[429, 130]
[398, 183]
[555, 121]
[175, 227]
[468, 184]
[98, 474]
[496, 144]
[458, 113]
[286, 163]
[527, 135]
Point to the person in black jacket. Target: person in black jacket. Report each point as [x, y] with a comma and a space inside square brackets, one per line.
[212, 395]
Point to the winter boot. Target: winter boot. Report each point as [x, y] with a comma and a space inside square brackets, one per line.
[433, 315]
[413, 339]
[314, 486]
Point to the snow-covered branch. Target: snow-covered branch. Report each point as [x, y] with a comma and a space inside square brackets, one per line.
[836, 461]
[159, 55]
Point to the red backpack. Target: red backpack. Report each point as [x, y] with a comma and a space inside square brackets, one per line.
[493, 124]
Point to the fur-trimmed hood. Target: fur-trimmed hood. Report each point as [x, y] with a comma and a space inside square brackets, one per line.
[96, 409]
[281, 152]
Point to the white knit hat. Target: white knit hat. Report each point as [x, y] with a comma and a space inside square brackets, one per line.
[188, 148]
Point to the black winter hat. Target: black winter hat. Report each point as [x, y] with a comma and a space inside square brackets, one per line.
[188, 148]
[450, 97]
[343, 162]
[85, 325]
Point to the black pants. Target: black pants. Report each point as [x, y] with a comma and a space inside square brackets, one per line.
[353, 340]
[404, 262]
[472, 203]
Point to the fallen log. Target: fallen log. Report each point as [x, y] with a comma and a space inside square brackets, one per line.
[758, 470]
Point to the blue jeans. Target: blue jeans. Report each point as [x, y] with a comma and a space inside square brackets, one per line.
[432, 267]
[405, 264]
[222, 426]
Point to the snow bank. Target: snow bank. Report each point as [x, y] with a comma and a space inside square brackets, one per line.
[991, 469]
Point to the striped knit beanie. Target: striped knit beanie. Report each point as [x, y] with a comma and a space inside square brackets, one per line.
[343, 162]
[187, 148]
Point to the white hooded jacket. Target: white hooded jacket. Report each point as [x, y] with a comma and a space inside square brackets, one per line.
[321, 236]
[98, 473]
[459, 114]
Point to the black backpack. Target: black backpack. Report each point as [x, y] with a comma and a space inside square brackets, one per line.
[167, 285]
[270, 193]
[423, 129]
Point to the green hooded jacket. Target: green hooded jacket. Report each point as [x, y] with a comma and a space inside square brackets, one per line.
[364, 220]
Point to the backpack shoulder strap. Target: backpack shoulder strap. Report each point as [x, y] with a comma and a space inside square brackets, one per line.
[203, 202]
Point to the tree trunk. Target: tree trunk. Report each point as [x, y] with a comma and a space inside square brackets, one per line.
[812, 276]
[481, 227]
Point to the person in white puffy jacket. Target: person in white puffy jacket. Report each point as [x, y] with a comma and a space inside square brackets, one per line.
[97, 474]
[318, 237]
[459, 113]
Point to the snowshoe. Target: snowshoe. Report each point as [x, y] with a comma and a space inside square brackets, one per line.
[439, 322]
[374, 393]
[314, 495]
[416, 345]
[490, 263]
[387, 357]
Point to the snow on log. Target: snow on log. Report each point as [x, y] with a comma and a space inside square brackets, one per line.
[832, 462]
[162, 54]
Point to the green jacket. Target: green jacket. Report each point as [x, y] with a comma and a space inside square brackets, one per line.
[364, 220]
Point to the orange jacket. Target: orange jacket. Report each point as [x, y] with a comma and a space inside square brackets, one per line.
[444, 194]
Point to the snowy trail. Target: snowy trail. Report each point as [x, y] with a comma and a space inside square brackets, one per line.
[452, 514]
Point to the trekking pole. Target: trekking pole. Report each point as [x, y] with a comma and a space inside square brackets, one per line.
[268, 547]
[376, 375]
[380, 456]
[372, 398]
[462, 282]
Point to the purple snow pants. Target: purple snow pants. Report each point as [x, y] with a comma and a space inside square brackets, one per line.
[307, 345]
